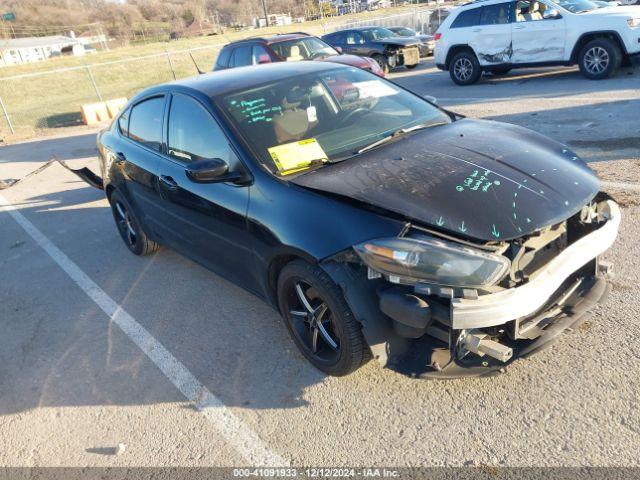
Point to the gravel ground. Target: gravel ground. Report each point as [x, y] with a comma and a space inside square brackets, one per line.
[73, 385]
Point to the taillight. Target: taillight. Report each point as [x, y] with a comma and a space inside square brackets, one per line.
[437, 37]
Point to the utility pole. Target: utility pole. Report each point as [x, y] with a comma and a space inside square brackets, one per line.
[266, 15]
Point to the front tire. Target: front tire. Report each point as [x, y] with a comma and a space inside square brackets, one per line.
[319, 320]
[465, 69]
[129, 226]
[411, 67]
[383, 63]
[600, 58]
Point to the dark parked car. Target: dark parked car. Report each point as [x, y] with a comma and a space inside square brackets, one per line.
[375, 222]
[382, 45]
[427, 43]
[288, 48]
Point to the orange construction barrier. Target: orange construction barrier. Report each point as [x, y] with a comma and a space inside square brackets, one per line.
[115, 105]
[94, 113]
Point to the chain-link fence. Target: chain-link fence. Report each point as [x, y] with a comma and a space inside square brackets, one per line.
[52, 99]
[425, 20]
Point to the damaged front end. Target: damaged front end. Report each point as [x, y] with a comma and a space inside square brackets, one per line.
[436, 306]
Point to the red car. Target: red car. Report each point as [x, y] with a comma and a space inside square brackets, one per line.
[288, 47]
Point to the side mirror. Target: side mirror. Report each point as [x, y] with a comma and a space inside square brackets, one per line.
[264, 58]
[431, 99]
[551, 14]
[208, 171]
[339, 50]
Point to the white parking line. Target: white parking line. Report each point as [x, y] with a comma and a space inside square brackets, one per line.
[244, 440]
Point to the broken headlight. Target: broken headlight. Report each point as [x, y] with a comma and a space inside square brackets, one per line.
[426, 259]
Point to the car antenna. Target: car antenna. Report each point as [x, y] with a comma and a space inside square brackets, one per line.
[200, 72]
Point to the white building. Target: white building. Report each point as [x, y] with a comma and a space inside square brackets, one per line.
[274, 19]
[15, 51]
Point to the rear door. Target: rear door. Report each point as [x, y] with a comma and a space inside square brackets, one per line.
[204, 221]
[355, 43]
[491, 37]
[137, 155]
[536, 39]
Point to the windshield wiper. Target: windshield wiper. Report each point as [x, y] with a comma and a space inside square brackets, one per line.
[396, 134]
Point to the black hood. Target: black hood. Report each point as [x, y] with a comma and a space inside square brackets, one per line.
[478, 179]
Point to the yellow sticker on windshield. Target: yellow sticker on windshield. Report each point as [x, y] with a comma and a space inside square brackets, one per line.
[297, 156]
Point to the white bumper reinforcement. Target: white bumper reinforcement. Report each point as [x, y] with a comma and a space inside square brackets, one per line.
[500, 307]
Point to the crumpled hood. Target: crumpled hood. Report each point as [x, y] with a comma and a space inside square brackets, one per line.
[473, 178]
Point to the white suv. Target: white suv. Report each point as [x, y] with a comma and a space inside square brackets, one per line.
[497, 35]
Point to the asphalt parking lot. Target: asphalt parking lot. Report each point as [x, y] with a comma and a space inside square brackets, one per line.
[99, 347]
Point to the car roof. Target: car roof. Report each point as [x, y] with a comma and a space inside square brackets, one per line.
[278, 37]
[223, 81]
[357, 29]
[480, 3]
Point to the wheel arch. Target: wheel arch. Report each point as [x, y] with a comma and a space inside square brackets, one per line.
[587, 37]
[108, 190]
[276, 264]
[454, 50]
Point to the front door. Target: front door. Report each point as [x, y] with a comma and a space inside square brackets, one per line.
[204, 221]
[491, 38]
[537, 39]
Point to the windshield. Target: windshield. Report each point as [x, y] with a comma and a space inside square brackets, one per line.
[405, 32]
[323, 116]
[577, 6]
[373, 34]
[303, 49]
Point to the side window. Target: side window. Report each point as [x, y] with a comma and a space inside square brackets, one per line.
[223, 58]
[145, 123]
[241, 56]
[529, 11]
[259, 52]
[123, 123]
[354, 38]
[468, 18]
[335, 38]
[194, 134]
[497, 14]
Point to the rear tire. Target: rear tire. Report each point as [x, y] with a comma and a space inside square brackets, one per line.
[465, 69]
[383, 63]
[411, 67]
[599, 59]
[313, 306]
[129, 226]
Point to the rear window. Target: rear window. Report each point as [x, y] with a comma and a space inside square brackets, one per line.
[241, 57]
[468, 18]
[223, 58]
[335, 38]
[145, 123]
[495, 14]
[123, 123]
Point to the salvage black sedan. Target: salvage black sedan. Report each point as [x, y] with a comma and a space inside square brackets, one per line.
[376, 223]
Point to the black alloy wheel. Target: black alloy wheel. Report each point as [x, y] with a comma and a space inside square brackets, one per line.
[319, 319]
[129, 228]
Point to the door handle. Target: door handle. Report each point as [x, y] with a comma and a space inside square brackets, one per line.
[476, 30]
[518, 27]
[168, 182]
